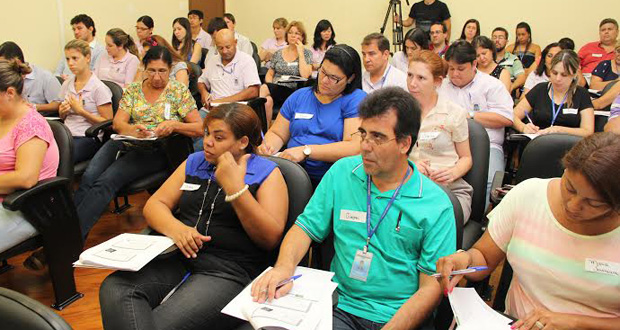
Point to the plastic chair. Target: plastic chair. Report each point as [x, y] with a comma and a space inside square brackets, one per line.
[21, 312]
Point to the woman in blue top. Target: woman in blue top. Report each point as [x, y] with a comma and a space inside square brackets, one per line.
[315, 123]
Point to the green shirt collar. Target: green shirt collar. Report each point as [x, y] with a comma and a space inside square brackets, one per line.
[413, 188]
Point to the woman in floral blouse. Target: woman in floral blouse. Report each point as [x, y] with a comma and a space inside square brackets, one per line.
[157, 107]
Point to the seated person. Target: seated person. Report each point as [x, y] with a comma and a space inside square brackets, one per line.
[324, 39]
[144, 30]
[243, 43]
[471, 29]
[401, 247]
[606, 71]
[594, 52]
[415, 41]
[271, 45]
[508, 60]
[86, 100]
[442, 152]
[41, 88]
[199, 35]
[120, 62]
[221, 250]
[484, 97]
[527, 51]
[28, 151]
[229, 76]
[439, 38]
[613, 124]
[182, 42]
[379, 73]
[294, 60]
[571, 223]
[157, 106]
[316, 123]
[179, 71]
[543, 69]
[485, 52]
[84, 29]
[558, 106]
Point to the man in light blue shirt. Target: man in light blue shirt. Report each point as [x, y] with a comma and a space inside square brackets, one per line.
[390, 224]
[83, 28]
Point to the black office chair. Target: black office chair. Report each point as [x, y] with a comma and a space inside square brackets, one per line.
[60, 80]
[48, 206]
[258, 104]
[255, 55]
[541, 159]
[600, 120]
[194, 73]
[21, 312]
[203, 57]
[477, 177]
[105, 127]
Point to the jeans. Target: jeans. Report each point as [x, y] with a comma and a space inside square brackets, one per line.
[84, 148]
[347, 321]
[106, 175]
[496, 163]
[131, 300]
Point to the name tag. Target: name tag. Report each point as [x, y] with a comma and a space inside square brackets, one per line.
[426, 136]
[569, 111]
[301, 115]
[354, 216]
[597, 55]
[602, 267]
[292, 64]
[189, 186]
[167, 111]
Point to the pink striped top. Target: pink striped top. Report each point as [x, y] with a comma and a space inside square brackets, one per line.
[549, 261]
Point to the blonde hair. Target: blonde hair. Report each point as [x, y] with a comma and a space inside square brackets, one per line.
[437, 66]
[79, 45]
[281, 22]
[570, 63]
[300, 26]
[12, 75]
[122, 39]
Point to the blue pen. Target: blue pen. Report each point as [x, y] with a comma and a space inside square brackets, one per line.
[287, 281]
[175, 288]
[464, 271]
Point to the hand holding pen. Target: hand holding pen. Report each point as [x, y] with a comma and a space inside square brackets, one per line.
[451, 269]
[530, 128]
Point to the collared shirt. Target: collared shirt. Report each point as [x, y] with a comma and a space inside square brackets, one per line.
[96, 49]
[485, 94]
[400, 61]
[391, 77]
[40, 86]
[244, 44]
[443, 50]
[426, 233]
[614, 110]
[224, 81]
[591, 54]
[203, 39]
[533, 79]
[122, 71]
[512, 63]
[94, 94]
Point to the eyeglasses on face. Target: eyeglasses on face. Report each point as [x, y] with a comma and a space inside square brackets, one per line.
[331, 77]
[160, 72]
[373, 139]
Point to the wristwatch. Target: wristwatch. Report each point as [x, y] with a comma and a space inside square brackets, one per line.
[307, 151]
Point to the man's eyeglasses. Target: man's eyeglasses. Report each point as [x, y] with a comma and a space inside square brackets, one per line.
[331, 77]
[375, 140]
[153, 72]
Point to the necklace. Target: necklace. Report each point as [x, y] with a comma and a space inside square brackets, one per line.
[204, 198]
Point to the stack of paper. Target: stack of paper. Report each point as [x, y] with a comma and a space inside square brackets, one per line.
[119, 137]
[307, 306]
[471, 312]
[124, 252]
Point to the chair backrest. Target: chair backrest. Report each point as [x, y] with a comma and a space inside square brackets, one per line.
[64, 140]
[477, 176]
[194, 72]
[258, 104]
[542, 156]
[600, 120]
[117, 93]
[60, 80]
[203, 57]
[255, 55]
[18, 311]
[458, 216]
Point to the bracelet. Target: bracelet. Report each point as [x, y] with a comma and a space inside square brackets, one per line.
[460, 250]
[230, 198]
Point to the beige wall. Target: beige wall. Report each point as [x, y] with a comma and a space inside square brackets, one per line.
[353, 19]
[36, 25]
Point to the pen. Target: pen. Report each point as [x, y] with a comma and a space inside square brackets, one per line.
[400, 215]
[288, 280]
[464, 271]
[175, 288]
[527, 114]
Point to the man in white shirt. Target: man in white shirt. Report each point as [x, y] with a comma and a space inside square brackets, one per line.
[199, 35]
[379, 72]
[229, 76]
[485, 98]
[243, 42]
[83, 28]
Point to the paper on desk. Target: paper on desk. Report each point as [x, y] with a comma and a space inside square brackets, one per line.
[531, 136]
[471, 312]
[120, 137]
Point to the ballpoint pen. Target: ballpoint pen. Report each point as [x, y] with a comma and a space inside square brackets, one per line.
[464, 271]
[288, 280]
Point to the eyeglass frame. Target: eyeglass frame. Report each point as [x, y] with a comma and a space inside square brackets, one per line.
[370, 140]
[331, 77]
[152, 73]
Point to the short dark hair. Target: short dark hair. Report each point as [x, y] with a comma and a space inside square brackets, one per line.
[382, 42]
[486, 43]
[157, 53]
[418, 36]
[10, 50]
[146, 20]
[196, 12]
[216, 24]
[86, 20]
[499, 28]
[566, 43]
[444, 28]
[408, 111]
[348, 60]
[230, 17]
[461, 52]
[608, 21]
[242, 121]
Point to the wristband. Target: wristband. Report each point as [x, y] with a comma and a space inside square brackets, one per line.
[230, 198]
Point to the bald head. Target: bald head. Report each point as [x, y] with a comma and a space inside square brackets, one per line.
[226, 44]
[224, 35]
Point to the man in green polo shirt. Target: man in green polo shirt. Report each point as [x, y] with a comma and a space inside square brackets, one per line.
[508, 60]
[382, 262]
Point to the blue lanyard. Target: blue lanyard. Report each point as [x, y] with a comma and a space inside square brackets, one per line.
[386, 75]
[232, 70]
[371, 231]
[556, 113]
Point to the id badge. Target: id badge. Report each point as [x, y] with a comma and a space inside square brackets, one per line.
[361, 265]
[167, 111]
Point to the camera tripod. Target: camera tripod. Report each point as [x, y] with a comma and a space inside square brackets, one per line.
[394, 8]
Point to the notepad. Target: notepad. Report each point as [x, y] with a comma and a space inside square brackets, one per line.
[471, 312]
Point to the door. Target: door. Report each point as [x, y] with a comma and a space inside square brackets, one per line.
[211, 9]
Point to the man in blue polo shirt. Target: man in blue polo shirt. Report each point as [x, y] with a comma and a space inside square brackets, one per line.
[390, 224]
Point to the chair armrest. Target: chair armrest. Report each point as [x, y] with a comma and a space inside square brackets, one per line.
[15, 200]
[94, 130]
[498, 182]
